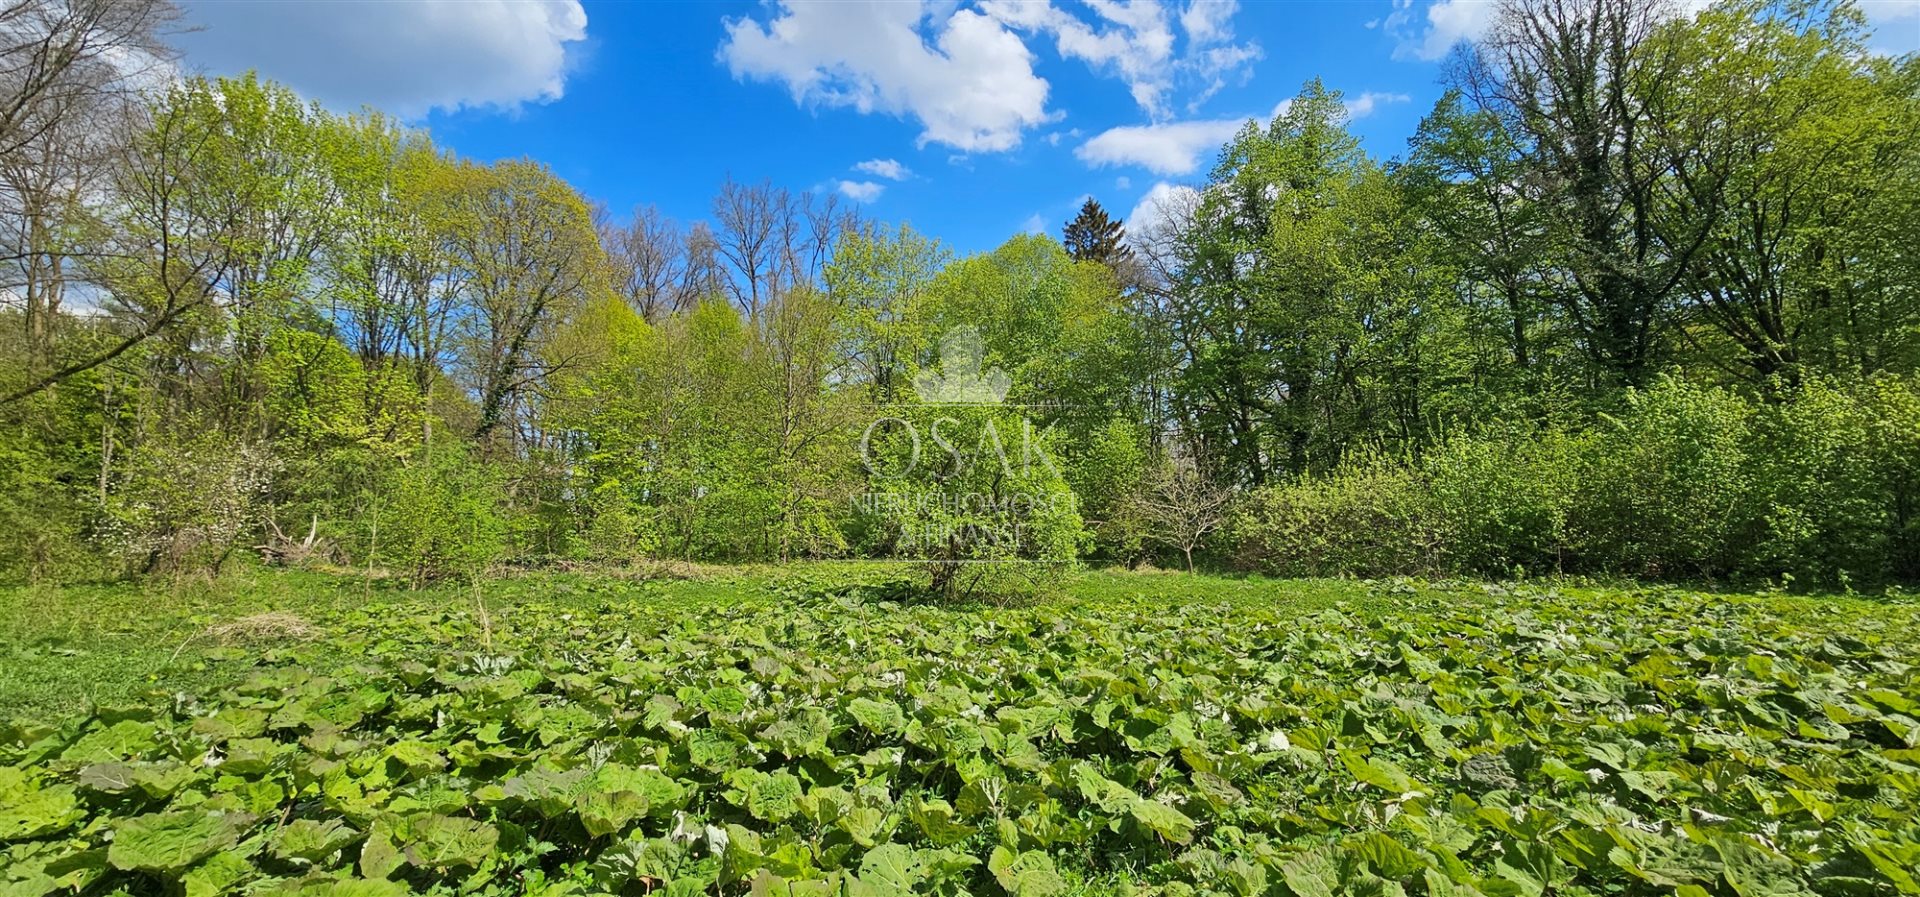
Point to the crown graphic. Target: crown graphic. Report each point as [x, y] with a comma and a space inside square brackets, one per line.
[960, 379]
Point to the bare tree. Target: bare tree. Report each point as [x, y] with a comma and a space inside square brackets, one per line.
[58, 57]
[649, 263]
[751, 219]
[705, 276]
[68, 72]
[1182, 505]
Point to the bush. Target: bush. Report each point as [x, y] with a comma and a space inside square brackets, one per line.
[187, 502]
[1821, 486]
[1835, 472]
[974, 497]
[442, 515]
[1501, 501]
[1371, 517]
[1665, 489]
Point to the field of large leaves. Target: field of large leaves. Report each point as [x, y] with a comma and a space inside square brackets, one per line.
[1434, 740]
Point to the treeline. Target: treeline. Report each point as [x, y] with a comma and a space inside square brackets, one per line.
[1641, 298]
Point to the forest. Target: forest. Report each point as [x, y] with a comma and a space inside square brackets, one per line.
[1639, 299]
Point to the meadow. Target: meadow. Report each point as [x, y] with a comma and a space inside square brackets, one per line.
[802, 730]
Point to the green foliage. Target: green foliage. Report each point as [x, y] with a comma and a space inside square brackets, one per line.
[1368, 517]
[440, 514]
[188, 502]
[1638, 301]
[1666, 483]
[1455, 741]
[974, 495]
[1685, 482]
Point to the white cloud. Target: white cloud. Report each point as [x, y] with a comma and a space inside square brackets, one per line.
[1165, 205]
[1176, 148]
[1136, 41]
[405, 58]
[1209, 21]
[1173, 148]
[1365, 104]
[1446, 23]
[971, 87]
[884, 168]
[1034, 224]
[1123, 183]
[861, 191]
[1896, 25]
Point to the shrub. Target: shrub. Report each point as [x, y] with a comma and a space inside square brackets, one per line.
[438, 516]
[1370, 517]
[973, 496]
[1501, 501]
[1108, 474]
[187, 502]
[1665, 487]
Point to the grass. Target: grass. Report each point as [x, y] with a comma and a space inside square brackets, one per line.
[63, 648]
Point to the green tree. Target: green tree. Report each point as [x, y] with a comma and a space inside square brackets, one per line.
[1093, 236]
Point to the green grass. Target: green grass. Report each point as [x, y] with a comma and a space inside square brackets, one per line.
[63, 649]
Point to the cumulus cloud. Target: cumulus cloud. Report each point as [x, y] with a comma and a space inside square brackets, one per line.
[964, 76]
[1136, 42]
[1896, 25]
[1176, 148]
[1366, 103]
[861, 191]
[1165, 206]
[885, 168]
[1172, 148]
[1432, 32]
[405, 58]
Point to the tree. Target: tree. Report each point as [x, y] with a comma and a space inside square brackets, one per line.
[1093, 237]
[62, 59]
[1579, 86]
[1781, 128]
[531, 259]
[1182, 505]
[1309, 310]
[880, 276]
[68, 76]
[650, 264]
[1462, 172]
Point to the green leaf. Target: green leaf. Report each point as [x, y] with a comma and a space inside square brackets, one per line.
[1025, 874]
[1163, 820]
[880, 717]
[28, 810]
[893, 866]
[447, 842]
[167, 843]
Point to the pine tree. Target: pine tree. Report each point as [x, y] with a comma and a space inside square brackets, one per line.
[1093, 236]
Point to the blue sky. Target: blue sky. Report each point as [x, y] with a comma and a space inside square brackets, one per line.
[971, 120]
